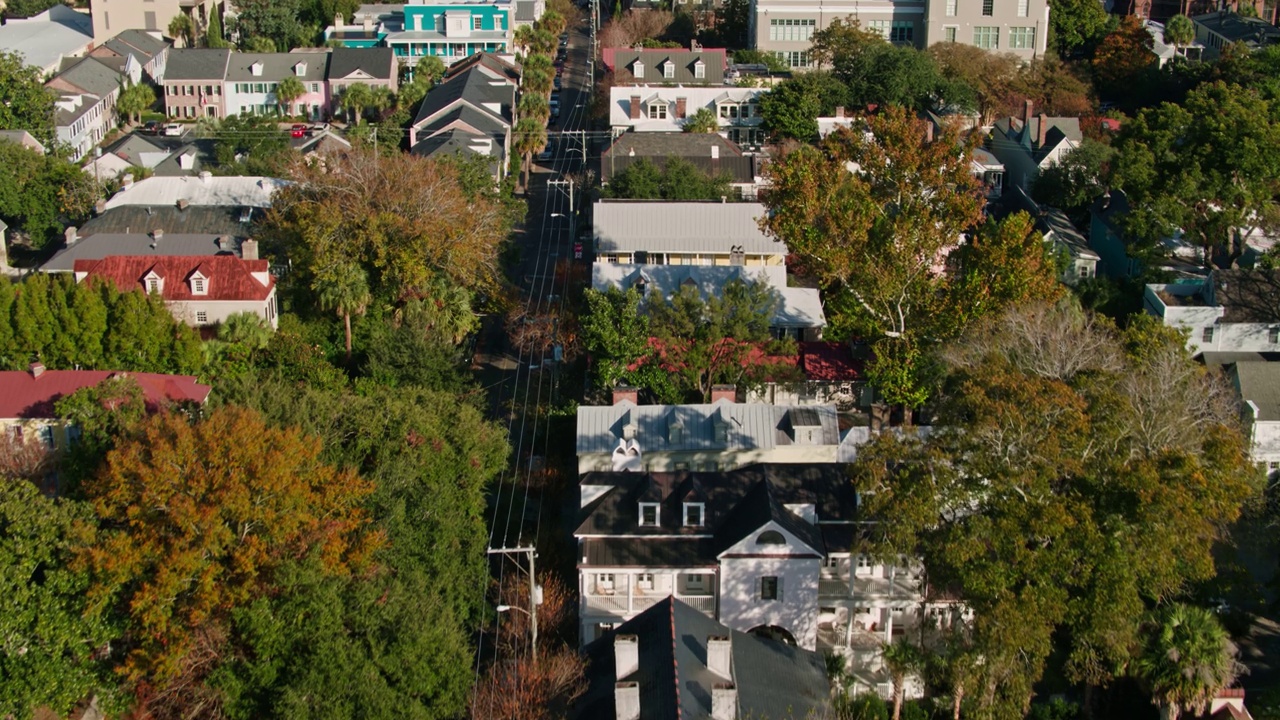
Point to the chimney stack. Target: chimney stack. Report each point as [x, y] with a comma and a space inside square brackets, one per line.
[720, 655]
[249, 250]
[626, 655]
[724, 701]
[183, 204]
[37, 369]
[99, 207]
[157, 235]
[623, 392]
[338, 21]
[1044, 131]
[839, 111]
[928, 131]
[682, 107]
[724, 392]
[206, 176]
[224, 243]
[127, 181]
[626, 701]
[366, 23]
[1027, 111]
[71, 235]
[635, 107]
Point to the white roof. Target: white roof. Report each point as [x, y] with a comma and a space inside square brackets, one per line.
[750, 426]
[695, 97]
[107, 167]
[228, 191]
[797, 307]
[682, 227]
[43, 40]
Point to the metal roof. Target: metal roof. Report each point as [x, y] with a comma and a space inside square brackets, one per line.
[750, 426]
[796, 307]
[43, 40]
[688, 227]
[96, 247]
[222, 190]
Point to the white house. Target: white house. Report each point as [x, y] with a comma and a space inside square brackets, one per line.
[1032, 143]
[660, 108]
[253, 78]
[1230, 311]
[1258, 384]
[658, 232]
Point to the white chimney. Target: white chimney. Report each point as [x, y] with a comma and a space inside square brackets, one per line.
[626, 655]
[715, 152]
[249, 250]
[71, 235]
[626, 701]
[724, 701]
[339, 22]
[127, 181]
[206, 176]
[719, 655]
[37, 369]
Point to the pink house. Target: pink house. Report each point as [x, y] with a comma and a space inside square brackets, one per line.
[253, 78]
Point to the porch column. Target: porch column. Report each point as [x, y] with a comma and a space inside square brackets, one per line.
[848, 627]
[631, 585]
[888, 624]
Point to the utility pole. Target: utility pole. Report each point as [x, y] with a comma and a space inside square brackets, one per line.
[535, 593]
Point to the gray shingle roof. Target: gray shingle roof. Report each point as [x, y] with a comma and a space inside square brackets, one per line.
[195, 220]
[96, 247]
[137, 43]
[1259, 383]
[683, 61]
[91, 75]
[277, 66]
[471, 87]
[197, 64]
[526, 11]
[375, 62]
[773, 680]
[661, 226]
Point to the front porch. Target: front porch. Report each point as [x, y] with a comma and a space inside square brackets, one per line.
[625, 594]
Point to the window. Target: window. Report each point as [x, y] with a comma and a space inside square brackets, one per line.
[46, 436]
[771, 537]
[637, 69]
[1023, 8]
[792, 29]
[668, 70]
[73, 434]
[644, 581]
[951, 8]
[604, 582]
[315, 87]
[202, 316]
[477, 22]
[794, 58]
[693, 514]
[1022, 38]
[988, 8]
[648, 514]
[770, 587]
[696, 583]
[1207, 335]
[153, 285]
[986, 37]
[729, 112]
[864, 564]
[880, 26]
[1273, 335]
[658, 111]
[197, 285]
[830, 562]
[700, 70]
[903, 31]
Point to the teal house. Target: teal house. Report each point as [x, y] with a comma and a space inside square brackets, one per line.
[448, 29]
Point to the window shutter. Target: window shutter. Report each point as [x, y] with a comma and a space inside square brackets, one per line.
[760, 587]
[780, 578]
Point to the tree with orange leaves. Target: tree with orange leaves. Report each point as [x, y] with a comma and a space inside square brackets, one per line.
[196, 516]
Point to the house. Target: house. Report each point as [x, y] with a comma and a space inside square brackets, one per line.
[375, 67]
[660, 108]
[156, 243]
[528, 12]
[1081, 262]
[721, 435]
[1216, 30]
[114, 16]
[225, 191]
[252, 80]
[149, 51]
[659, 232]
[448, 29]
[1117, 256]
[831, 374]
[193, 83]
[471, 111]
[87, 90]
[1258, 386]
[199, 290]
[44, 40]
[711, 153]
[798, 314]
[1165, 52]
[695, 65]
[23, 138]
[786, 27]
[323, 143]
[494, 65]
[135, 150]
[1032, 143]
[136, 225]
[1230, 311]
[27, 399]
[719, 672]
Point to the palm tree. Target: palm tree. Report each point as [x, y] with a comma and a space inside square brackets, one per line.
[345, 289]
[135, 100]
[553, 22]
[245, 328]
[536, 81]
[523, 37]
[901, 658]
[1187, 660]
[181, 29]
[530, 138]
[288, 91]
[535, 106]
[355, 99]
[1180, 32]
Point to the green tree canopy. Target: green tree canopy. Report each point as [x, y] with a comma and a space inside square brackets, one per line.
[702, 121]
[25, 104]
[791, 108]
[1076, 180]
[677, 179]
[288, 91]
[275, 20]
[1179, 31]
[251, 145]
[1187, 659]
[37, 192]
[136, 99]
[1077, 25]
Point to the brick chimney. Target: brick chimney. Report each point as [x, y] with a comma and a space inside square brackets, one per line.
[719, 655]
[249, 250]
[183, 204]
[724, 392]
[635, 107]
[1044, 131]
[630, 394]
[1028, 110]
[682, 107]
[928, 131]
[37, 369]
[157, 235]
[626, 655]
[724, 701]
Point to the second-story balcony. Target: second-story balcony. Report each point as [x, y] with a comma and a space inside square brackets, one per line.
[624, 594]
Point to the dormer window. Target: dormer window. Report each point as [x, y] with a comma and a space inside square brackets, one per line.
[637, 69]
[668, 69]
[256, 69]
[153, 283]
[700, 70]
[694, 514]
[658, 111]
[199, 285]
[300, 69]
[675, 432]
[629, 431]
[648, 514]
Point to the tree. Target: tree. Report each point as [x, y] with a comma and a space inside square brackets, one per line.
[273, 20]
[1054, 87]
[1124, 62]
[1187, 660]
[251, 144]
[616, 334]
[535, 106]
[355, 100]
[1060, 507]
[344, 288]
[49, 643]
[27, 8]
[530, 138]
[1077, 25]
[37, 192]
[181, 30]
[136, 99]
[213, 34]
[901, 658]
[1005, 264]
[1076, 180]
[25, 104]
[247, 329]
[1180, 32]
[702, 121]
[426, 74]
[1209, 167]
[677, 179]
[287, 92]
[877, 72]
[791, 108]
[989, 75]
[198, 516]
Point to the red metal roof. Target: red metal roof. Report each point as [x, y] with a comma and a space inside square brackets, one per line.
[31, 395]
[227, 276]
[829, 362]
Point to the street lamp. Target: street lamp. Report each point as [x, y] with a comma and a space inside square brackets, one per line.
[556, 215]
[535, 599]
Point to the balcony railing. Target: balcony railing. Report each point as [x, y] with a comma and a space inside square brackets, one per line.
[620, 604]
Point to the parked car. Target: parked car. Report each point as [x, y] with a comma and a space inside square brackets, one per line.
[577, 250]
[557, 82]
[300, 131]
[151, 127]
[173, 130]
[548, 152]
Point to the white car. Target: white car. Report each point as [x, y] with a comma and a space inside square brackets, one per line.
[173, 130]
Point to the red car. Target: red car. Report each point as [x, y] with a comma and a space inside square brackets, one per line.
[298, 131]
